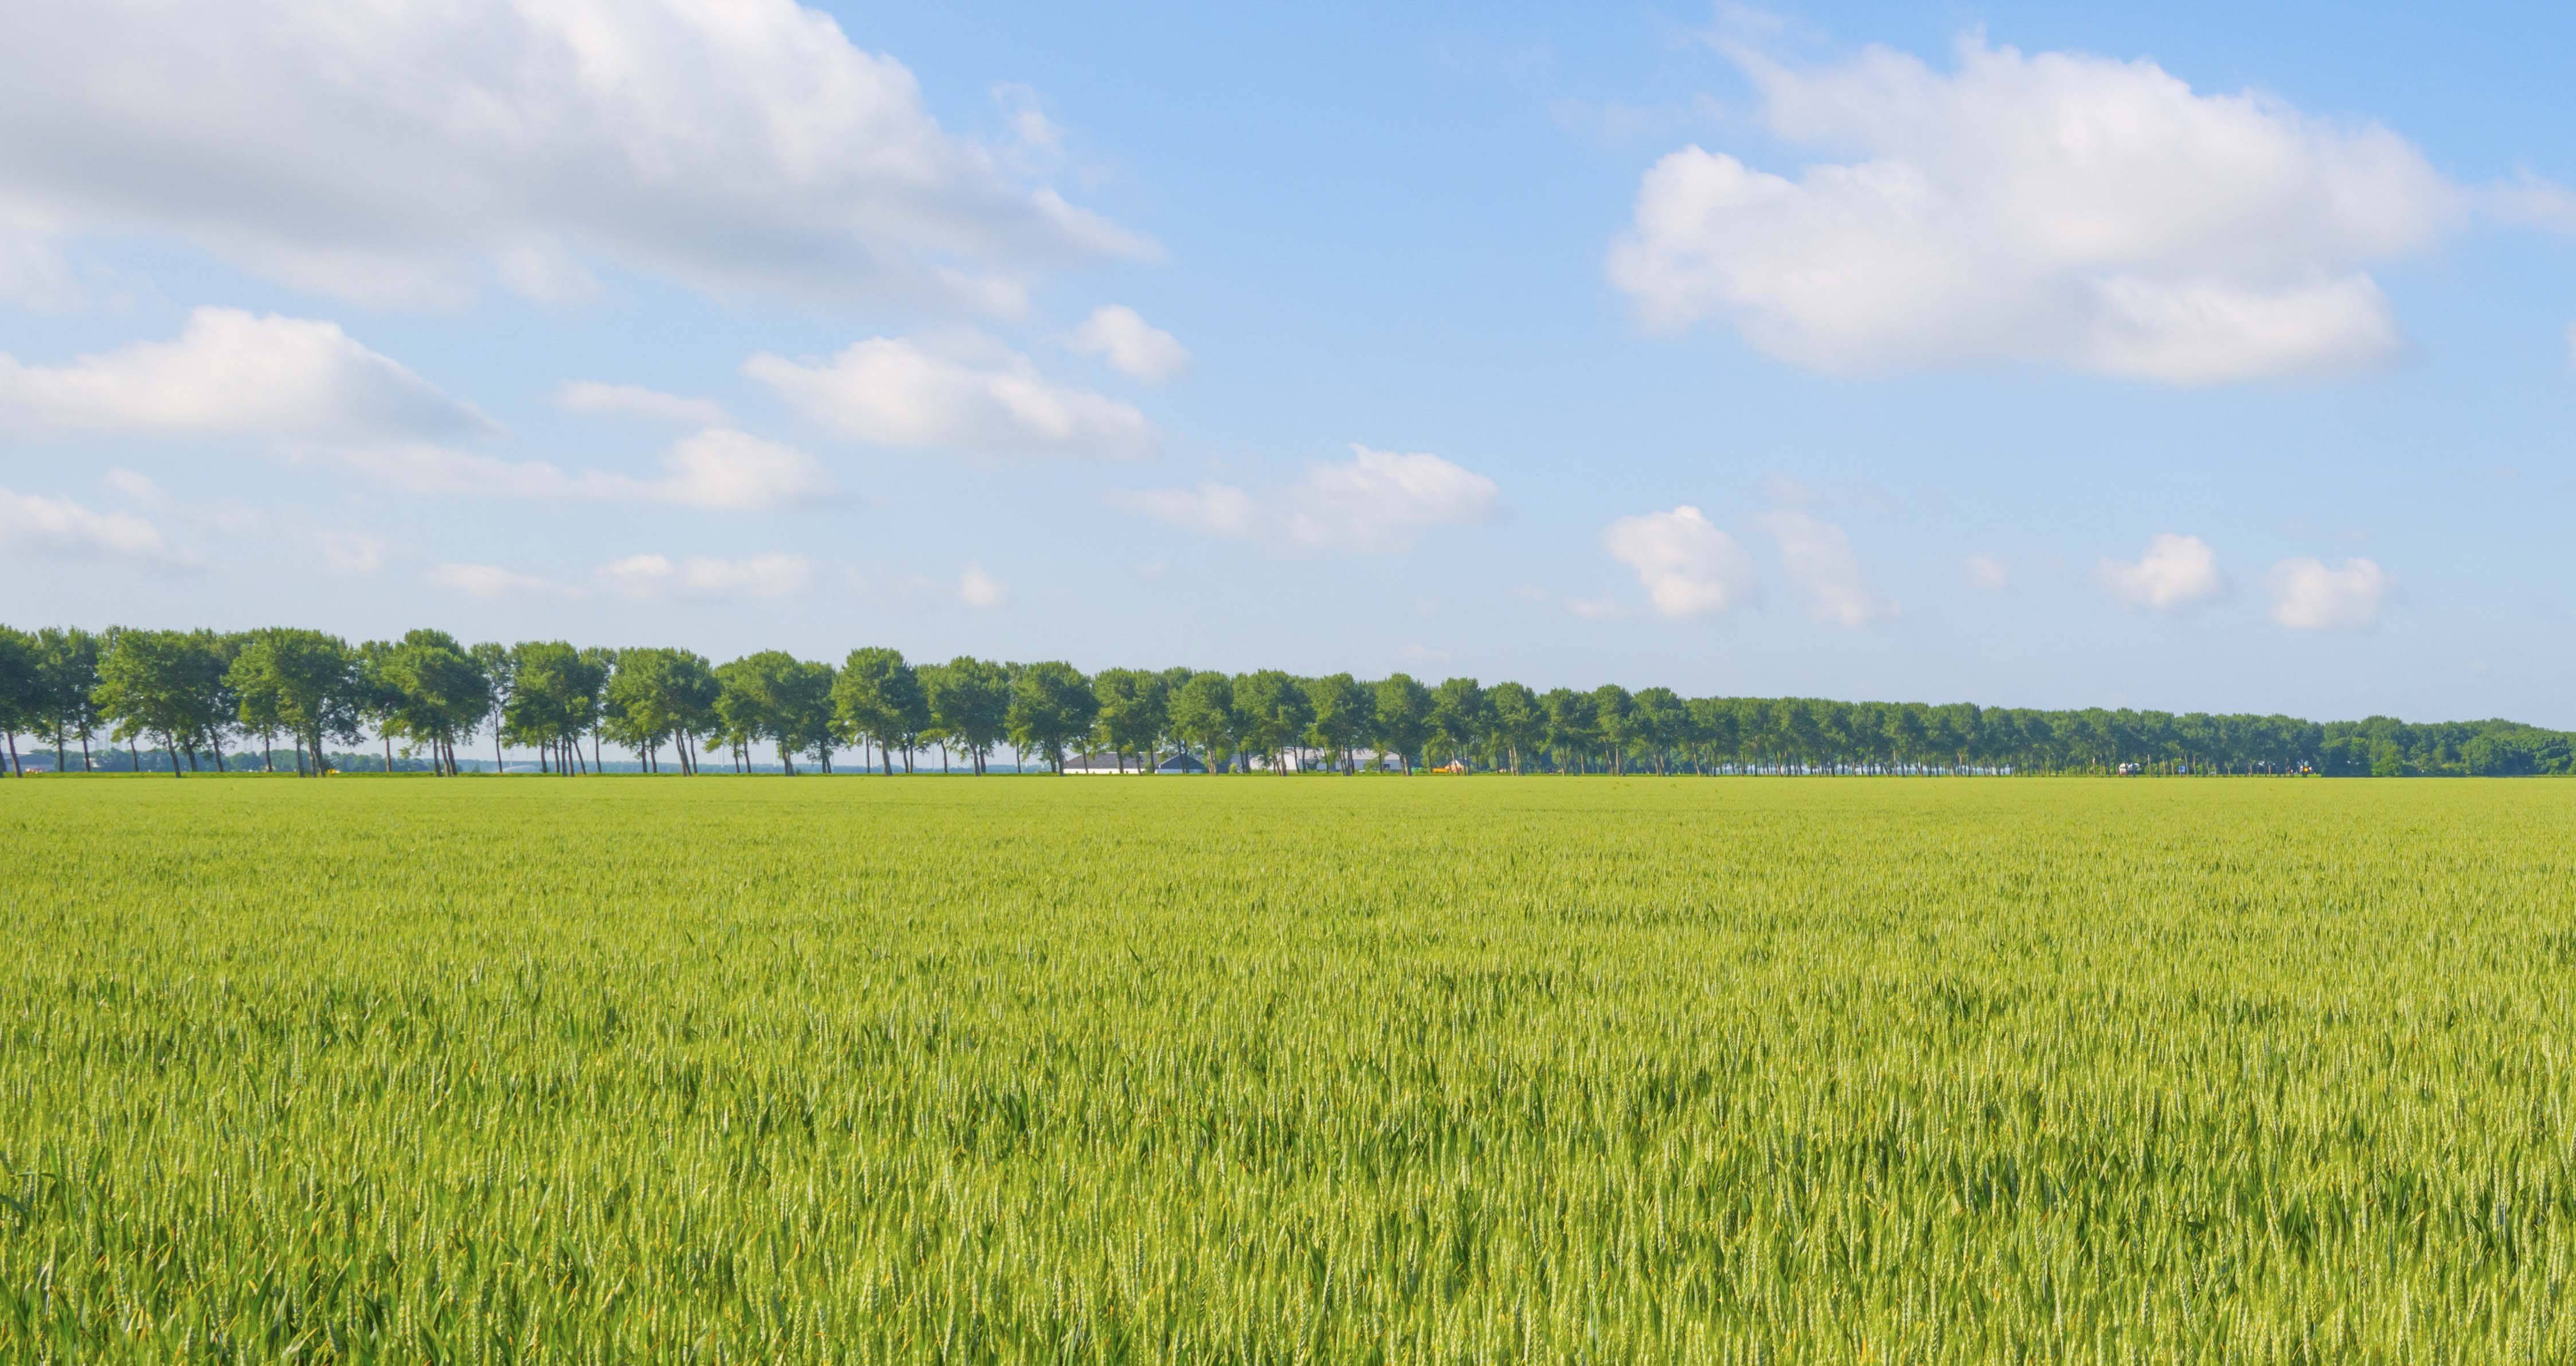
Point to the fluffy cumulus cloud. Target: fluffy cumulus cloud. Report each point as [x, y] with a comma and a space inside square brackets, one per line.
[2308, 595]
[1131, 345]
[649, 578]
[60, 529]
[962, 393]
[1374, 501]
[629, 400]
[406, 151]
[718, 470]
[1817, 558]
[232, 373]
[2056, 208]
[978, 589]
[2177, 572]
[1688, 567]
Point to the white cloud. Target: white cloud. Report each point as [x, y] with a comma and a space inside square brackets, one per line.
[404, 151]
[979, 589]
[592, 396]
[1029, 123]
[1131, 345]
[1378, 499]
[1687, 566]
[1817, 557]
[1214, 509]
[232, 373]
[492, 581]
[734, 472]
[1987, 572]
[2058, 208]
[2308, 596]
[717, 469]
[650, 578]
[2177, 572]
[963, 393]
[58, 528]
[1375, 501]
[350, 552]
[133, 484]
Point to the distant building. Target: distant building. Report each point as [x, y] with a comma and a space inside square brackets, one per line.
[1131, 764]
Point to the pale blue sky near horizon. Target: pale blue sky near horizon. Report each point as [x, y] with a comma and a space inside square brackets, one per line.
[2050, 371]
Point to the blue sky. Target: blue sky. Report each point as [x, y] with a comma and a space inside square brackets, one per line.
[2200, 358]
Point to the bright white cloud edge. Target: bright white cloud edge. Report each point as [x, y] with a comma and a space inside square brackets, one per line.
[2309, 595]
[405, 153]
[960, 392]
[2176, 573]
[1376, 501]
[2056, 208]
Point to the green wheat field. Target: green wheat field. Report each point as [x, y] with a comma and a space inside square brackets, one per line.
[1729, 1070]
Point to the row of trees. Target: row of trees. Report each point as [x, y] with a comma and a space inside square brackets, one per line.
[192, 693]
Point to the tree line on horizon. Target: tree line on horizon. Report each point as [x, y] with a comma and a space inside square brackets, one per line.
[190, 693]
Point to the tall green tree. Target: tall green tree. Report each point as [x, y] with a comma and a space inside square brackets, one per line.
[1133, 710]
[555, 693]
[1402, 719]
[1274, 712]
[1460, 715]
[773, 695]
[879, 697]
[305, 681]
[1659, 720]
[432, 691]
[1520, 720]
[22, 695]
[167, 684]
[1573, 728]
[970, 702]
[1614, 720]
[1203, 717]
[1051, 706]
[500, 674]
[66, 678]
[1341, 712]
[374, 695]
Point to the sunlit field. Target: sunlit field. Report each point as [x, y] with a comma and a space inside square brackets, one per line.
[756, 1069]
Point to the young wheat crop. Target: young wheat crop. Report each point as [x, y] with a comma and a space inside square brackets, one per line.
[764, 1070]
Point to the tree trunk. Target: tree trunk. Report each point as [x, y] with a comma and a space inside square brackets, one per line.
[86, 765]
[886, 756]
[19, 768]
[389, 750]
[219, 757]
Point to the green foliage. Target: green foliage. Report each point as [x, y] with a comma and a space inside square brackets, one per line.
[1203, 714]
[879, 697]
[1402, 719]
[970, 704]
[1340, 713]
[764, 1071]
[174, 686]
[1273, 712]
[1133, 712]
[1051, 706]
